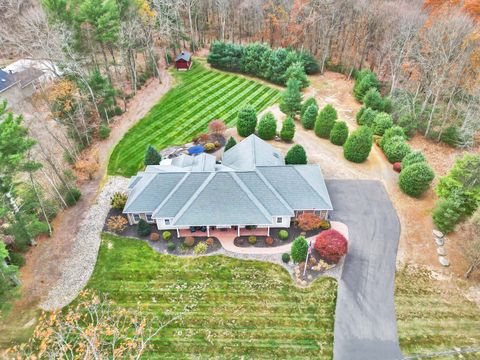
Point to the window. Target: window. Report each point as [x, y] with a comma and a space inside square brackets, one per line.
[317, 212]
[149, 217]
[279, 220]
[167, 221]
[136, 217]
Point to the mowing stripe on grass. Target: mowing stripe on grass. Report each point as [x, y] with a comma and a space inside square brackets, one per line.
[201, 96]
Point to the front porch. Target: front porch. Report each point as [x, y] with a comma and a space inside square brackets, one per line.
[228, 234]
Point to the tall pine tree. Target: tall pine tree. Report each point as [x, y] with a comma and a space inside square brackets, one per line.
[291, 98]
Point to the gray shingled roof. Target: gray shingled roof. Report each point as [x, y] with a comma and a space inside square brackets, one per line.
[222, 201]
[294, 187]
[201, 162]
[252, 152]
[6, 80]
[180, 195]
[151, 190]
[184, 55]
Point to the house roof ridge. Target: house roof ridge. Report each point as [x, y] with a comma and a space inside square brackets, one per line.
[252, 197]
[275, 192]
[194, 196]
[329, 202]
[169, 196]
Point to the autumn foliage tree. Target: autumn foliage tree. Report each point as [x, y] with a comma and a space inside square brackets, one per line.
[331, 245]
[217, 127]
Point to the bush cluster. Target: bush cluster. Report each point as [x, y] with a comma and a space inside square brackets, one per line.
[381, 123]
[260, 60]
[364, 81]
[325, 121]
[358, 145]
[200, 248]
[396, 149]
[296, 155]
[331, 245]
[267, 127]
[118, 200]
[307, 103]
[339, 133]
[246, 121]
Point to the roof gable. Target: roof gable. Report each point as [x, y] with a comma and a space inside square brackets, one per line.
[250, 153]
[184, 55]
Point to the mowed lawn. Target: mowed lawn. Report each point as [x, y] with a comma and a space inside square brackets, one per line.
[185, 111]
[432, 318]
[239, 308]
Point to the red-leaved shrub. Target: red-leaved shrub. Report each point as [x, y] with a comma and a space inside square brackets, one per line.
[308, 221]
[331, 245]
[397, 167]
[217, 127]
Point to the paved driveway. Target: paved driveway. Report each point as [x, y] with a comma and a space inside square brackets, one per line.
[365, 323]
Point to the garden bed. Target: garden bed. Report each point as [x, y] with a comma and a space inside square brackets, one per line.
[162, 245]
[293, 233]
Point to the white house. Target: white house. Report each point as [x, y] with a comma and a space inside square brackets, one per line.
[251, 187]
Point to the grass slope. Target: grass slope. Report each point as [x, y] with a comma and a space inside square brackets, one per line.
[432, 318]
[201, 96]
[240, 308]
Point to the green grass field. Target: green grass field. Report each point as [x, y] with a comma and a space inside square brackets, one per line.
[185, 111]
[432, 318]
[240, 308]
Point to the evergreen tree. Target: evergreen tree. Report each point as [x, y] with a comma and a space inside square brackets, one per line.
[267, 127]
[299, 249]
[247, 121]
[339, 133]
[152, 156]
[309, 117]
[306, 104]
[415, 179]
[230, 143]
[325, 121]
[288, 129]
[373, 100]
[296, 155]
[358, 145]
[291, 98]
[296, 71]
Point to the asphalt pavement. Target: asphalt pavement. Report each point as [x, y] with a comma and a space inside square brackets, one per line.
[365, 322]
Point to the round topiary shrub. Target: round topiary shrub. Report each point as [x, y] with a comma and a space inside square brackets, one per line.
[200, 248]
[381, 123]
[299, 249]
[210, 241]
[396, 149]
[283, 234]
[339, 133]
[309, 117]
[397, 167]
[359, 114]
[143, 228]
[296, 155]
[286, 258]
[415, 179]
[166, 235]
[269, 241]
[288, 129]
[189, 241]
[373, 99]
[171, 246]
[325, 225]
[154, 236]
[325, 121]
[413, 158]
[247, 121]
[252, 240]
[391, 133]
[367, 118]
[267, 127]
[307, 103]
[331, 245]
[358, 145]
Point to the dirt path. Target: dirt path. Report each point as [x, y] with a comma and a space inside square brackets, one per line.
[44, 261]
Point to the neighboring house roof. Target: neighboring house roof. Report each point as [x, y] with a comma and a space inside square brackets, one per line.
[7, 80]
[252, 152]
[184, 55]
[245, 192]
[27, 76]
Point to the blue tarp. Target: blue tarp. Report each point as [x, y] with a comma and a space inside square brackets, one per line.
[197, 149]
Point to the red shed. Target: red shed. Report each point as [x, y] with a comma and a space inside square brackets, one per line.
[183, 61]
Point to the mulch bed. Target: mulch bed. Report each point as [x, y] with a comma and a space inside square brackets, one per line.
[161, 245]
[293, 233]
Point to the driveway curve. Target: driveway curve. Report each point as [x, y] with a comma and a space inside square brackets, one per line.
[365, 322]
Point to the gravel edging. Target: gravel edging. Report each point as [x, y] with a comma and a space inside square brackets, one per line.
[78, 267]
